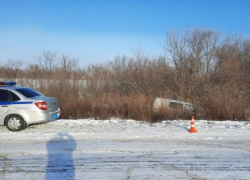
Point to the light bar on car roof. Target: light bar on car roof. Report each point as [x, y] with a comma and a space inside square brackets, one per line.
[7, 83]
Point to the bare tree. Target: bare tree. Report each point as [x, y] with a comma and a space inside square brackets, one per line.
[68, 65]
[12, 68]
[48, 62]
[192, 54]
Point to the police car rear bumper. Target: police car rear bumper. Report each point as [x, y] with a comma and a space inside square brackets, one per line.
[42, 117]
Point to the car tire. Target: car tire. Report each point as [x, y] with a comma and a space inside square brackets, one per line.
[15, 123]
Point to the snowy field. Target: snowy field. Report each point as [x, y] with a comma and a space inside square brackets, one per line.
[126, 150]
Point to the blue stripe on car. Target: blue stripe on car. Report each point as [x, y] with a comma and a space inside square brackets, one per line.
[22, 102]
[5, 103]
[9, 103]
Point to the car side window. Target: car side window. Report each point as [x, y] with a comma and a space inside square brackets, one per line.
[14, 97]
[4, 95]
[176, 105]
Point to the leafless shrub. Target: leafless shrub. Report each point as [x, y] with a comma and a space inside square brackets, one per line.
[225, 107]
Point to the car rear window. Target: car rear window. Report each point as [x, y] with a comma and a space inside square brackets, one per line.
[29, 93]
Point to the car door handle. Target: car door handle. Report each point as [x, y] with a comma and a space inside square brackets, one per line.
[4, 106]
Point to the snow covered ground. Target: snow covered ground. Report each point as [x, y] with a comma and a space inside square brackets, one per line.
[126, 150]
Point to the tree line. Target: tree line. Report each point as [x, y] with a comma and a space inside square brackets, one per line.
[201, 66]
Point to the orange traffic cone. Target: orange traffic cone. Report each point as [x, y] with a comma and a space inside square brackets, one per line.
[192, 129]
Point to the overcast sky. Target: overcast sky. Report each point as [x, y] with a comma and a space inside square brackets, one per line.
[96, 31]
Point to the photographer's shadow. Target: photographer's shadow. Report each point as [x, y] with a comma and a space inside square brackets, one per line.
[60, 157]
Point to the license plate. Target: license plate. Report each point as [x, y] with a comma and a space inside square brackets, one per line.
[54, 116]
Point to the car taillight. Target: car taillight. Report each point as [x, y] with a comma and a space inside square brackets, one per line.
[42, 105]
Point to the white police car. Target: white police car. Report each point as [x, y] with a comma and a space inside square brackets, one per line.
[20, 107]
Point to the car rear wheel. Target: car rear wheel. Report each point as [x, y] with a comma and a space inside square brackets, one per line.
[15, 123]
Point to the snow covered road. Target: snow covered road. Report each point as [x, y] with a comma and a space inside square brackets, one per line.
[126, 149]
